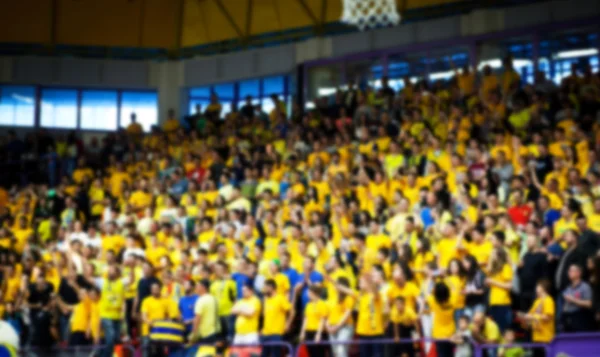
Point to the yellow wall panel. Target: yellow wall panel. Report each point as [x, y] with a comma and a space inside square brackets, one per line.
[25, 21]
[195, 30]
[100, 23]
[161, 23]
[266, 16]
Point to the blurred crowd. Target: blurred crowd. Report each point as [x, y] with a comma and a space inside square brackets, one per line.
[467, 211]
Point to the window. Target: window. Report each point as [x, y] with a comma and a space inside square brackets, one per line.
[17, 105]
[143, 104]
[193, 102]
[273, 85]
[249, 88]
[98, 110]
[232, 95]
[59, 108]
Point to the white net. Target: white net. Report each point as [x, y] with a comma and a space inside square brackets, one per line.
[366, 14]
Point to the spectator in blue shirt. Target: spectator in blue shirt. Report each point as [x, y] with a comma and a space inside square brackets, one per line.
[241, 277]
[291, 273]
[310, 277]
[187, 303]
[548, 214]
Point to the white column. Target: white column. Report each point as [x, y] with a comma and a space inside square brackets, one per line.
[167, 78]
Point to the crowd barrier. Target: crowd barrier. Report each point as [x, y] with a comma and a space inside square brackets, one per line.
[571, 345]
[78, 351]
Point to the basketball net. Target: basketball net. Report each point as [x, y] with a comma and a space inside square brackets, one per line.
[367, 14]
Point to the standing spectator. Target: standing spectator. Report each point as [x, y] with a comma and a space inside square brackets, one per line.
[441, 307]
[541, 317]
[206, 326]
[277, 317]
[571, 256]
[315, 314]
[45, 327]
[153, 309]
[532, 268]
[247, 310]
[223, 288]
[475, 299]
[340, 326]
[577, 315]
[500, 283]
[111, 306]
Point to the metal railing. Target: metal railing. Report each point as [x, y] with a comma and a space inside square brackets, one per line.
[75, 351]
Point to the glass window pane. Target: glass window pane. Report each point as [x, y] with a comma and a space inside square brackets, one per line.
[249, 87]
[200, 92]
[143, 104]
[192, 105]
[241, 103]
[224, 91]
[273, 85]
[59, 108]
[17, 105]
[267, 105]
[99, 110]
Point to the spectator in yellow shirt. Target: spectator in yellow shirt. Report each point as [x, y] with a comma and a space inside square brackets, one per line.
[541, 316]
[278, 315]
[500, 275]
[315, 315]
[404, 322]
[134, 129]
[247, 310]
[154, 308]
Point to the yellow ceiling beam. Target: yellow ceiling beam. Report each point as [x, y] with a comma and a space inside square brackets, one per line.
[309, 12]
[229, 19]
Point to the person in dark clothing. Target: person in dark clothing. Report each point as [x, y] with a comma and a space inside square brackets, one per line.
[572, 256]
[45, 327]
[66, 301]
[588, 243]
[144, 286]
[39, 299]
[532, 268]
[577, 314]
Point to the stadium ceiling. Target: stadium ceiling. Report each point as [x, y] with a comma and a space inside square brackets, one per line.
[179, 28]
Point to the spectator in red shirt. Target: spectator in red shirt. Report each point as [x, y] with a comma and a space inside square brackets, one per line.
[519, 211]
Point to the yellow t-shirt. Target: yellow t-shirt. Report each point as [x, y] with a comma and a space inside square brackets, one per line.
[370, 314]
[481, 251]
[446, 249]
[80, 174]
[153, 309]
[594, 222]
[276, 309]
[21, 236]
[443, 319]
[248, 324]
[225, 291]
[315, 312]
[407, 317]
[501, 296]
[112, 300]
[337, 310]
[80, 317]
[410, 292]
[491, 331]
[543, 331]
[206, 308]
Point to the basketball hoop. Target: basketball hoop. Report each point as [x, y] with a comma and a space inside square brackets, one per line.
[367, 14]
